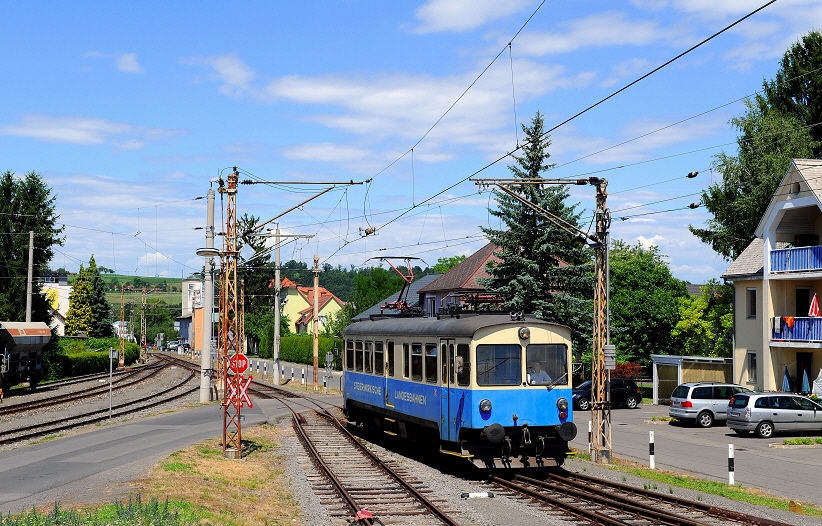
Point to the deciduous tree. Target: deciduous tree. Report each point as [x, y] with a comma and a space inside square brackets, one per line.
[780, 124]
[705, 327]
[644, 302]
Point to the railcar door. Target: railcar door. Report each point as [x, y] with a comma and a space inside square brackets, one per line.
[448, 428]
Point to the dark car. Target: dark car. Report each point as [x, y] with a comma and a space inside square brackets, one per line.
[624, 392]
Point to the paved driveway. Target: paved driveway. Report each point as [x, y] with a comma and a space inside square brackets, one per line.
[793, 473]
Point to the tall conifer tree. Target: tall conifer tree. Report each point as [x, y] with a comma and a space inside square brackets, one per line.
[545, 270]
[80, 316]
[25, 205]
[100, 307]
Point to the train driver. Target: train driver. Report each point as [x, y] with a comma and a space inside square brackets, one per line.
[538, 376]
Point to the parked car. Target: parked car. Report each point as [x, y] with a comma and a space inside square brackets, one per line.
[703, 403]
[172, 346]
[769, 413]
[623, 392]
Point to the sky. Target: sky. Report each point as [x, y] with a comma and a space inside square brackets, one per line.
[131, 110]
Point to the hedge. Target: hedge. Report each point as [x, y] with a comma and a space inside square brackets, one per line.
[77, 357]
[300, 349]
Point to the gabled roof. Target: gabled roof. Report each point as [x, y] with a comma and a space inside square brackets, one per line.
[413, 295]
[464, 275]
[810, 170]
[324, 297]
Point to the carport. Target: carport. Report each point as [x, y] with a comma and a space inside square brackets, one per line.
[670, 371]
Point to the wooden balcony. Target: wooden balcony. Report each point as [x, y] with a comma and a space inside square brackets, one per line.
[796, 259]
[804, 329]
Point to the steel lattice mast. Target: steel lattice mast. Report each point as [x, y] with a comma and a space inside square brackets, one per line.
[230, 339]
[600, 407]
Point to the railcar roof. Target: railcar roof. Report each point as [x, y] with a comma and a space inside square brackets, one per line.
[464, 326]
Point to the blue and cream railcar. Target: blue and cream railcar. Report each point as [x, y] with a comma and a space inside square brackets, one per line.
[483, 386]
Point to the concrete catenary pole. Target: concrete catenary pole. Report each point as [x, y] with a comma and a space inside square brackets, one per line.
[316, 321]
[275, 374]
[30, 276]
[208, 303]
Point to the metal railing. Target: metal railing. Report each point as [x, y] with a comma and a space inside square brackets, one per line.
[795, 329]
[796, 259]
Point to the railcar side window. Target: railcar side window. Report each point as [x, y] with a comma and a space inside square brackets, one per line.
[547, 363]
[379, 358]
[416, 362]
[463, 364]
[406, 360]
[358, 358]
[349, 355]
[369, 356]
[390, 346]
[499, 364]
[431, 363]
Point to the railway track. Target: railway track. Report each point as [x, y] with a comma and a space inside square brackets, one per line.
[352, 482]
[597, 501]
[126, 379]
[28, 432]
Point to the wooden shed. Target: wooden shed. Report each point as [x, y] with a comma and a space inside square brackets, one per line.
[670, 371]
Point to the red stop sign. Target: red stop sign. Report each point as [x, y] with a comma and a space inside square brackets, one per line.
[238, 363]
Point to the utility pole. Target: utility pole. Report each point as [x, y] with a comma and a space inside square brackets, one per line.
[143, 344]
[600, 405]
[122, 349]
[30, 276]
[230, 336]
[209, 252]
[316, 321]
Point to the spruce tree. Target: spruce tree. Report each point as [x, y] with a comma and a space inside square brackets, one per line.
[80, 316]
[25, 205]
[100, 307]
[545, 269]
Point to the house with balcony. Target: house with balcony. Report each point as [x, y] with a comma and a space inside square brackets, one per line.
[775, 279]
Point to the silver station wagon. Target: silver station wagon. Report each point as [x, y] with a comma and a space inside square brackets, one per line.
[768, 413]
[703, 403]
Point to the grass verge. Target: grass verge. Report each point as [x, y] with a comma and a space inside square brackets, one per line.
[672, 480]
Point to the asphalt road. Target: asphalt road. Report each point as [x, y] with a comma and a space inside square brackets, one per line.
[793, 473]
[97, 466]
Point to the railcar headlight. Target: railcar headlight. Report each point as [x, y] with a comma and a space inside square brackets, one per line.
[524, 333]
[562, 404]
[485, 405]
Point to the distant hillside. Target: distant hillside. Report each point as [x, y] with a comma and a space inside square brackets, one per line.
[114, 281]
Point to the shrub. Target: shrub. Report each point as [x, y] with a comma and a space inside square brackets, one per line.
[300, 349]
[76, 357]
[627, 370]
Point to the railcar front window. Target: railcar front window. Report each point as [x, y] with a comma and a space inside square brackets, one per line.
[547, 363]
[431, 363]
[416, 362]
[499, 364]
[379, 358]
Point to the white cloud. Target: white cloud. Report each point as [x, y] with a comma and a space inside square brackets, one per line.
[83, 130]
[598, 30]
[649, 242]
[125, 62]
[459, 15]
[324, 152]
[234, 73]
